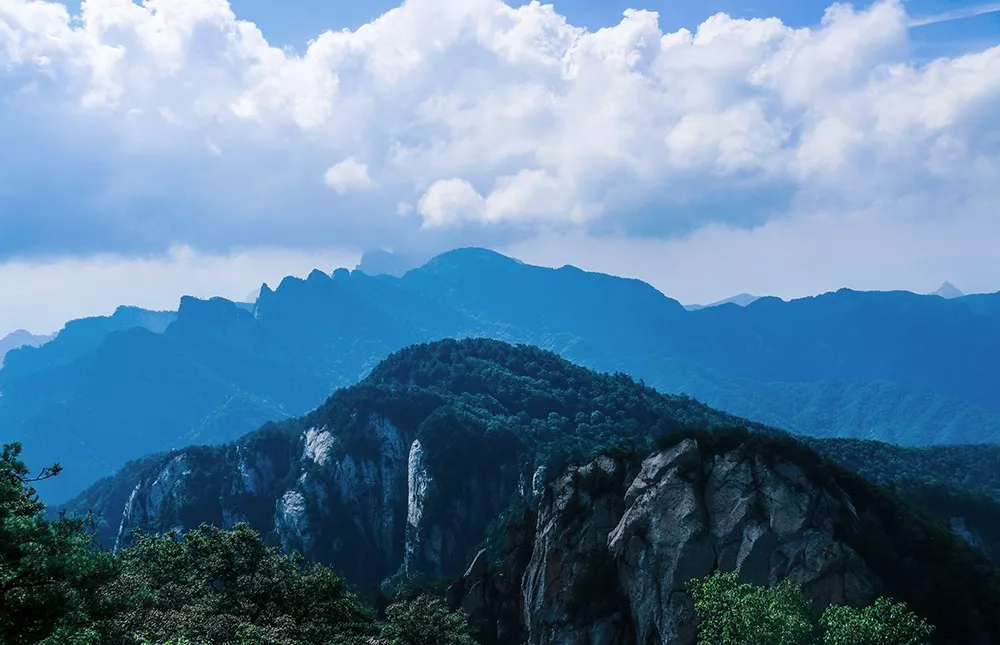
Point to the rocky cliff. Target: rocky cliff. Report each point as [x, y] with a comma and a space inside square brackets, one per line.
[374, 508]
[616, 542]
[605, 558]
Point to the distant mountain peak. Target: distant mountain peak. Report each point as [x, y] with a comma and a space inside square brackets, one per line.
[742, 300]
[948, 291]
[382, 262]
[318, 276]
[20, 338]
[473, 254]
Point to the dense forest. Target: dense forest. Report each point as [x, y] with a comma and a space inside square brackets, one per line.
[969, 468]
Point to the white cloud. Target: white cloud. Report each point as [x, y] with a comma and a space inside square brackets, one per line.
[493, 122]
[793, 257]
[449, 201]
[347, 176]
[957, 14]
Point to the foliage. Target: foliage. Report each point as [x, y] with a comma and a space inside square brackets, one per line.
[970, 468]
[49, 575]
[556, 410]
[735, 613]
[425, 620]
[211, 585]
[883, 623]
[948, 483]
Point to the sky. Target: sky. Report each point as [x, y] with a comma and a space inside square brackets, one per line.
[204, 146]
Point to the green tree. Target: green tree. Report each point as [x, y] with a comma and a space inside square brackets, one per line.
[425, 620]
[226, 586]
[882, 623]
[735, 613]
[50, 574]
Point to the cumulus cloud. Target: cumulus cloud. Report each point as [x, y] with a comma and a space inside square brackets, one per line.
[347, 176]
[449, 201]
[136, 127]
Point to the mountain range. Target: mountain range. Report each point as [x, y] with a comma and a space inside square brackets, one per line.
[577, 504]
[946, 290]
[889, 366]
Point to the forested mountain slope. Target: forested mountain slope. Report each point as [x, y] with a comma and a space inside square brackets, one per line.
[444, 445]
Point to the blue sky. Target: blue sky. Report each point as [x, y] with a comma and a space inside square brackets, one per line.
[295, 22]
[171, 148]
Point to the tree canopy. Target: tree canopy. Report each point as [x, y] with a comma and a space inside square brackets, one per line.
[735, 613]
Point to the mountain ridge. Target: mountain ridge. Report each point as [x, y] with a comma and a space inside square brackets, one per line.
[839, 364]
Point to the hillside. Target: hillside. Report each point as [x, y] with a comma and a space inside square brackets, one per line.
[444, 445]
[837, 365]
[494, 405]
[973, 468]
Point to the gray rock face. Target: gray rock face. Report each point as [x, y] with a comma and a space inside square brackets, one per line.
[448, 515]
[571, 559]
[371, 507]
[614, 545]
[349, 502]
[154, 503]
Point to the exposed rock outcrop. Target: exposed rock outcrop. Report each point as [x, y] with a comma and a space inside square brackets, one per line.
[156, 501]
[615, 543]
[370, 505]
